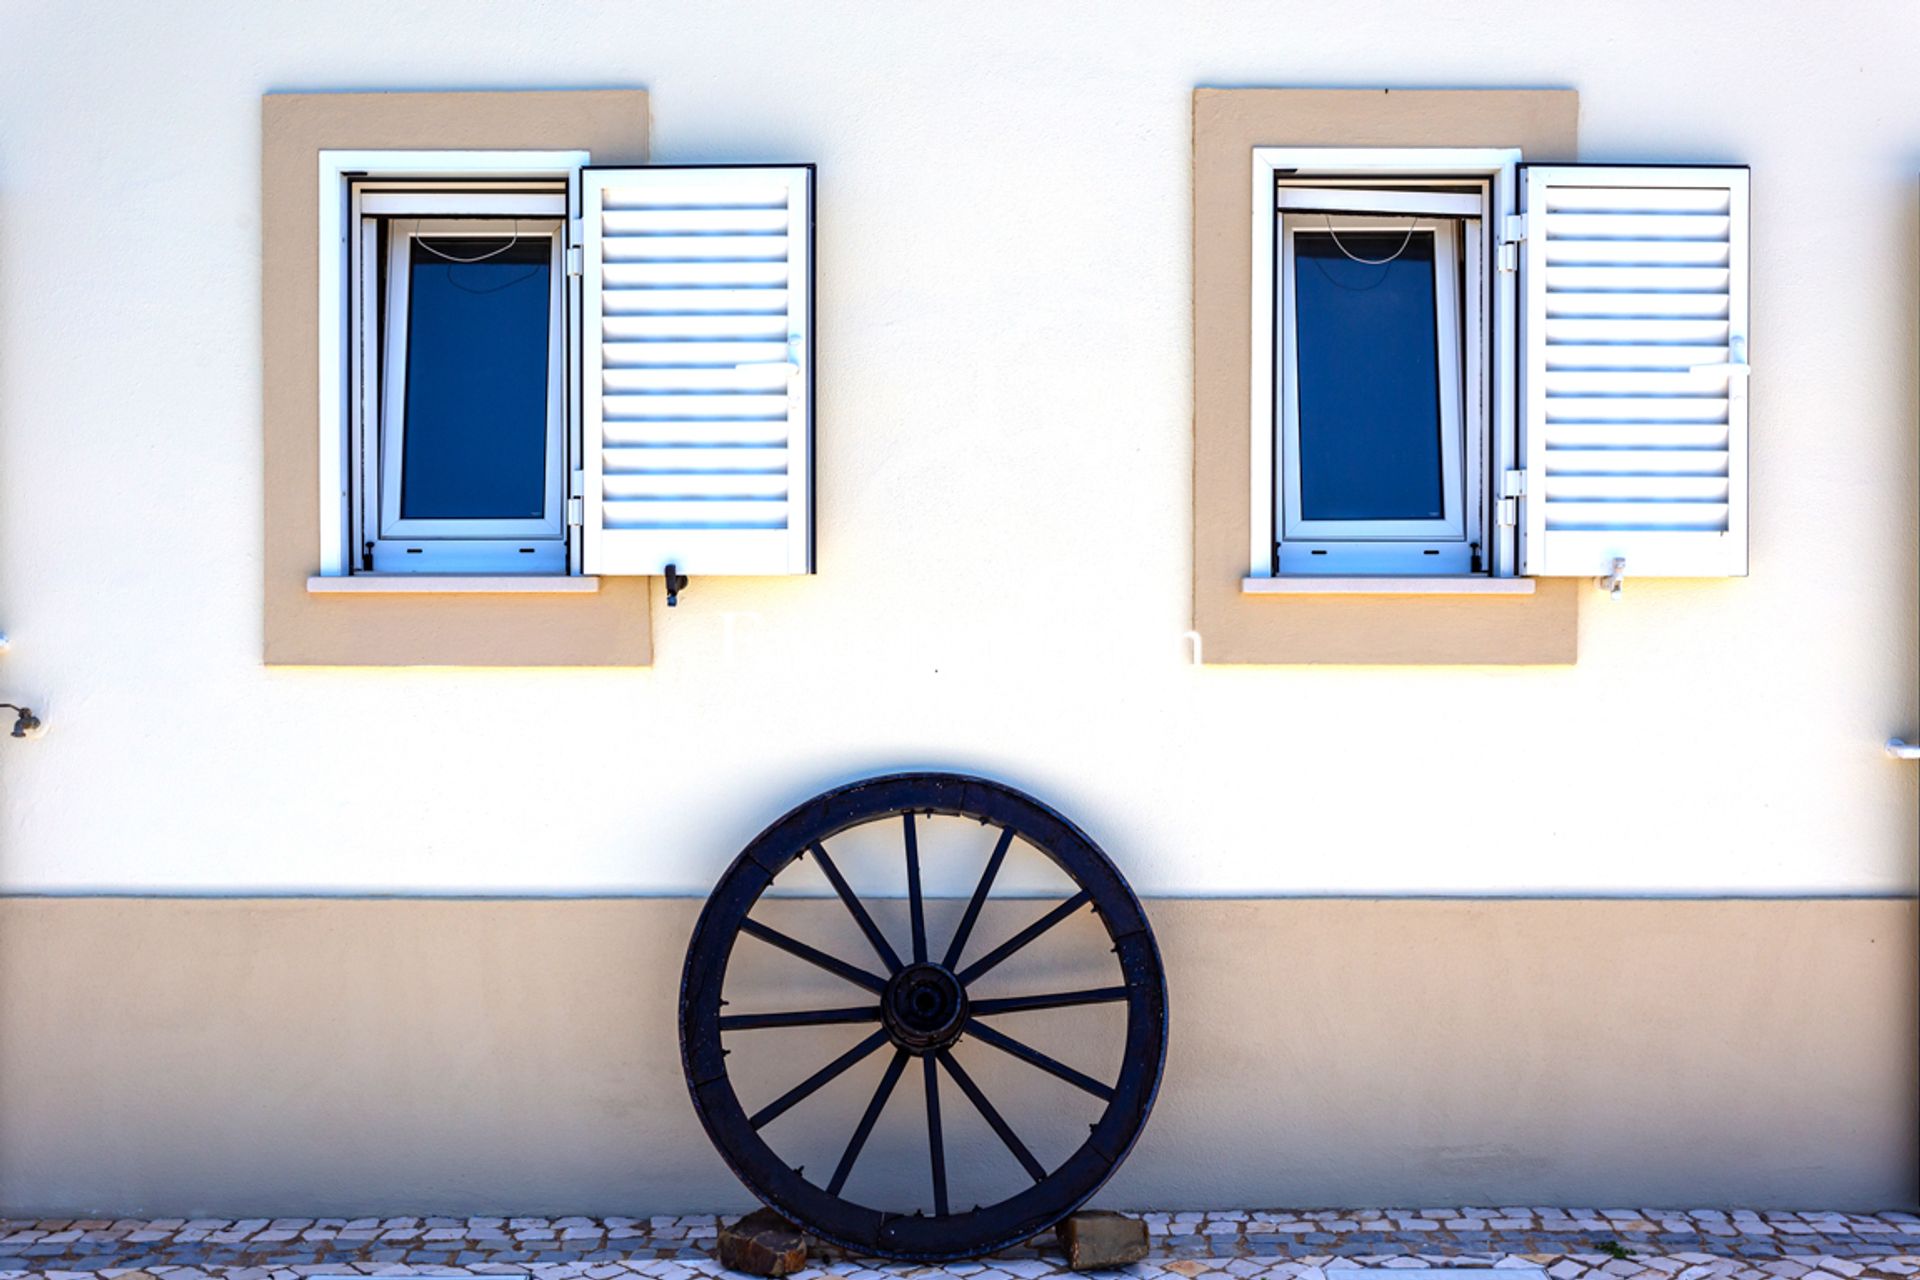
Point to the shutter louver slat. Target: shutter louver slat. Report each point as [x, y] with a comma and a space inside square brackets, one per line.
[645, 247]
[690, 405]
[616, 354]
[742, 486]
[645, 328]
[726, 433]
[764, 376]
[619, 273]
[1640, 462]
[697, 305]
[1643, 436]
[668, 458]
[672, 302]
[706, 188]
[666, 517]
[1571, 356]
[1653, 517]
[1634, 396]
[694, 221]
[1634, 253]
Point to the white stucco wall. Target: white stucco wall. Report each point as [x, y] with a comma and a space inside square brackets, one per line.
[1004, 471]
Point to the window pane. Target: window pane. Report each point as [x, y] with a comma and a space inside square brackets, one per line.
[476, 394]
[1369, 377]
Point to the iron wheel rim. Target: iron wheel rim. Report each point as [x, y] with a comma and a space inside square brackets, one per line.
[921, 1236]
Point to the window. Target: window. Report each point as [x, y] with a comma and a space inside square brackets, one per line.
[459, 443]
[1469, 367]
[1382, 434]
[540, 368]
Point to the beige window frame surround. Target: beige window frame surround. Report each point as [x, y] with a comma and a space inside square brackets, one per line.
[604, 623]
[1497, 628]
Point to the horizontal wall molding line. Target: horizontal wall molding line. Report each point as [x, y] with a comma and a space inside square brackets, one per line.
[306, 895]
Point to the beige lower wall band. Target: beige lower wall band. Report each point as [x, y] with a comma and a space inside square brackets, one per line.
[260, 1056]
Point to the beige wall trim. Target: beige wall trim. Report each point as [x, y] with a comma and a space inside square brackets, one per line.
[608, 627]
[1238, 627]
[268, 1057]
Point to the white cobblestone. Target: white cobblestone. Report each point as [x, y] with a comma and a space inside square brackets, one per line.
[1231, 1244]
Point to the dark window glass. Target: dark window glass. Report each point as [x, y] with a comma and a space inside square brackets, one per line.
[476, 429]
[1369, 377]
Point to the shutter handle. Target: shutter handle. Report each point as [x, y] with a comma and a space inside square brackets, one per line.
[791, 364]
[1735, 366]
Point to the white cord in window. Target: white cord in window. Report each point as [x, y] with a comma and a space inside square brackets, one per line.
[1371, 262]
[422, 242]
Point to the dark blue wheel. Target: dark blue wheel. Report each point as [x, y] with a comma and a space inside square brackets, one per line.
[913, 1004]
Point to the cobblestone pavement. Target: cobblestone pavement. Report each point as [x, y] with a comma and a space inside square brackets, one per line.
[1567, 1244]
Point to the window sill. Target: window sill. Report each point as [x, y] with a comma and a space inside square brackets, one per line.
[1307, 585]
[451, 584]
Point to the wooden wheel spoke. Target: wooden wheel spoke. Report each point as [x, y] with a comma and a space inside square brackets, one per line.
[793, 946]
[780, 1105]
[874, 1108]
[1032, 1056]
[858, 910]
[979, 899]
[1050, 1000]
[936, 1139]
[1026, 935]
[1034, 1168]
[917, 906]
[799, 1018]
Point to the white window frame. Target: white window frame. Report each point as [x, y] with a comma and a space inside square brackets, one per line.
[1451, 542]
[337, 226]
[1377, 168]
[403, 545]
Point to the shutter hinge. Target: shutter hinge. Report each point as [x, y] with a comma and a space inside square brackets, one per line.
[576, 260]
[1513, 229]
[1513, 486]
[576, 498]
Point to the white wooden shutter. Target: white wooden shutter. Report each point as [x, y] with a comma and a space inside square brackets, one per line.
[697, 373]
[1633, 387]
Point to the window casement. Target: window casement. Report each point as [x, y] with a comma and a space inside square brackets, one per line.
[459, 448]
[1381, 415]
[1467, 367]
[533, 366]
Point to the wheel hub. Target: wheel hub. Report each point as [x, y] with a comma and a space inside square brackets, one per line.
[924, 1008]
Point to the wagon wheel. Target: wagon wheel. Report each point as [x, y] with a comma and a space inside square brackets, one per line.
[918, 1006]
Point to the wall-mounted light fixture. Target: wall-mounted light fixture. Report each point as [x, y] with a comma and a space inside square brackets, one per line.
[25, 723]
